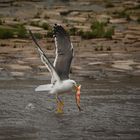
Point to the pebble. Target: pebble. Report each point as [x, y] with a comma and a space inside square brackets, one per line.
[15, 73]
[30, 106]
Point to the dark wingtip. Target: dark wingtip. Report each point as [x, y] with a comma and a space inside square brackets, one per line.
[30, 32]
[55, 25]
[58, 29]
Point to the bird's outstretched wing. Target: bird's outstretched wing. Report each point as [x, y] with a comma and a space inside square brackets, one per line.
[45, 60]
[64, 52]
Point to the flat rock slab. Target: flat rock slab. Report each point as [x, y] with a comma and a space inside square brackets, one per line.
[34, 28]
[124, 64]
[136, 28]
[19, 67]
[1, 69]
[15, 73]
[133, 37]
[95, 63]
[119, 20]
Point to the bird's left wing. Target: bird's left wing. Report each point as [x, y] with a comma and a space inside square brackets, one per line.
[45, 60]
[64, 52]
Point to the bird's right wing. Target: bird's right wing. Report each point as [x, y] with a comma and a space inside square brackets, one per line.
[45, 60]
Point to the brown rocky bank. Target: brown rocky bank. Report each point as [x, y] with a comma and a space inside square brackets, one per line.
[19, 58]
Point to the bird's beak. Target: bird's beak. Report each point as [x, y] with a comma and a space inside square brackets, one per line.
[77, 96]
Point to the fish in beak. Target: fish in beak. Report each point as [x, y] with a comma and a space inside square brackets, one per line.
[77, 96]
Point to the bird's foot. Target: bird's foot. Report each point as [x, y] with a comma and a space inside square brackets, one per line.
[60, 106]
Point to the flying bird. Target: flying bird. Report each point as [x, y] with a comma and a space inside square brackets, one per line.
[60, 69]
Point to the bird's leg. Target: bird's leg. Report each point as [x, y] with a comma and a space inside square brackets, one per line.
[60, 105]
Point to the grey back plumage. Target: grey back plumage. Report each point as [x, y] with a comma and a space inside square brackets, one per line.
[64, 52]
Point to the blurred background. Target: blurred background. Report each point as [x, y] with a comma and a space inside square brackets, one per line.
[95, 26]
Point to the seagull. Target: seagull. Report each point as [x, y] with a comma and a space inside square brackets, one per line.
[60, 69]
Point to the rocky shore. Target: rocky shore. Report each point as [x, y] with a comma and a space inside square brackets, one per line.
[119, 52]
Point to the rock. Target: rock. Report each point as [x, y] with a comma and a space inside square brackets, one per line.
[33, 28]
[1, 69]
[30, 106]
[75, 19]
[95, 63]
[128, 41]
[76, 68]
[133, 32]
[101, 55]
[130, 4]
[75, 39]
[124, 64]
[84, 27]
[19, 67]
[119, 21]
[43, 69]
[64, 12]
[18, 74]
[135, 28]
[74, 13]
[104, 18]
[20, 40]
[138, 66]
[6, 3]
[21, 62]
[118, 36]
[133, 37]
[137, 44]
[136, 72]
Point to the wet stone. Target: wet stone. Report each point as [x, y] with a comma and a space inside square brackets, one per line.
[119, 20]
[19, 67]
[18, 74]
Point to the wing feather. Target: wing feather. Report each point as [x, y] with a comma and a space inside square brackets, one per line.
[45, 60]
[64, 52]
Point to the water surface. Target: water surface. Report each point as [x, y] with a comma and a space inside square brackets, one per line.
[111, 110]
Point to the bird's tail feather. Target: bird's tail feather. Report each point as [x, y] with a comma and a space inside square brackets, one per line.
[46, 87]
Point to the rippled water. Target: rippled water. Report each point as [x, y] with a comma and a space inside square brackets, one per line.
[111, 110]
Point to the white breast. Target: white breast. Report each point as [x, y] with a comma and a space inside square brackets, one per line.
[62, 87]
